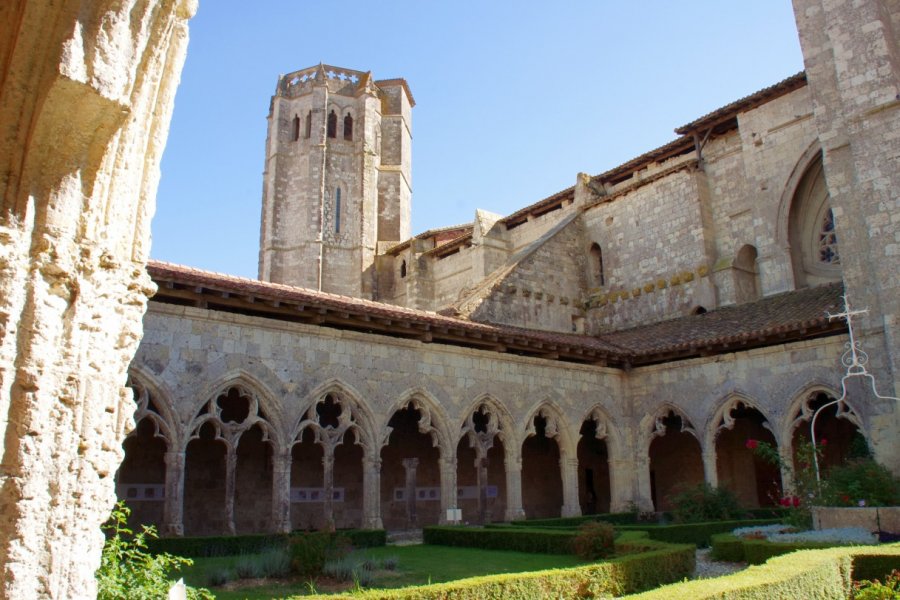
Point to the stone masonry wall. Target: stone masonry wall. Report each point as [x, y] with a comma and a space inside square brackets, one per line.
[87, 94]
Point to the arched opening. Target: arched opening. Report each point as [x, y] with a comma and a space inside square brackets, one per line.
[295, 129]
[754, 481]
[253, 482]
[402, 269]
[597, 276]
[542, 495]
[699, 310]
[332, 125]
[308, 131]
[204, 484]
[337, 210]
[811, 229]
[141, 478]
[676, 461]
[348, 128]
[746, 275]
[348, 484]
[842, 438]
[307, 486]
[593, 470]
[410, 474]
[481, 468]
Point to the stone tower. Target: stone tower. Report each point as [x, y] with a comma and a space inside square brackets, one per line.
[337, 180]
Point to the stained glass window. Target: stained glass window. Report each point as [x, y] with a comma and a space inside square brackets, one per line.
[828, 244]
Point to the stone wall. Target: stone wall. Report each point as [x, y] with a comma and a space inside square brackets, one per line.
[87, 94]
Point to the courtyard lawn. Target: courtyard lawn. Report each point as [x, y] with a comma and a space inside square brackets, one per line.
[416, 565]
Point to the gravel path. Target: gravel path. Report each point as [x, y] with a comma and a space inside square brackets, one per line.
[708, 568]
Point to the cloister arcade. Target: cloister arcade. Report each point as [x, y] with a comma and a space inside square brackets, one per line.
[235, 467]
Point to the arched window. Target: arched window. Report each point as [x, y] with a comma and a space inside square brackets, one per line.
[403, 269]
[348, 128]
[295, 129]
[337, 210]
[597, 275]
[308, 124]
[746, 275]
[332, 124]
[812, 235]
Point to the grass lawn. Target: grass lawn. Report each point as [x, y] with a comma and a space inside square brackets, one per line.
[417, 565]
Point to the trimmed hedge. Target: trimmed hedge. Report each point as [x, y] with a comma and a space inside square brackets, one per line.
[698, 534]
[756, 552]
[543, 541]
[727, 547]
[625, 518]
[821, 574]
[672, 562]
[229, 545]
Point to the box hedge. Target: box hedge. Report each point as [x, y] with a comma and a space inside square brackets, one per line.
[671, 562]
[821, 574]
[229, 545]
[698, 534]
[756, 551]
[520, 539]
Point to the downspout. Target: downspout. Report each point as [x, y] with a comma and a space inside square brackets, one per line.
[321, 238]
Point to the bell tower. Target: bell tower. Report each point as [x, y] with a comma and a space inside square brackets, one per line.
[337, 178]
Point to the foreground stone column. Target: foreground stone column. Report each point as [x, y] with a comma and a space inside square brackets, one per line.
[410, 465]
[623, 488]
[230, 468]
[644, 496]
[372, 494]
[710, 472]
[568, 469]
[514, 510]
[328, 484]
[173, 508]
[481, 472]
[448, 487]
[281, 491]
[87, 93]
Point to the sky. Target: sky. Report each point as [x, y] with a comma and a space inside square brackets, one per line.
[513, 98]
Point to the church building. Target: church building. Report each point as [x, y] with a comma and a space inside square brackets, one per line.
[595, 350]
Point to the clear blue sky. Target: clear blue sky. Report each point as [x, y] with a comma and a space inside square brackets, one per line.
[513, 98]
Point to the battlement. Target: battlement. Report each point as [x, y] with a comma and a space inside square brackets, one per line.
[338, 79]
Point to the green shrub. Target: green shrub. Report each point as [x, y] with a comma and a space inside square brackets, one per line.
[128, 570]
[594, 540]
[617, 576]
[623, 518]
[310, 551]
[698, 534]
[544, 541]
[232, 545]
[703, 503]
[218, 577]
[862, 480]
[875, 590]
[727, 547]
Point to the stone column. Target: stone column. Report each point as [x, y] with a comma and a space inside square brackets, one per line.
[328, 485]
[514, 510]
[481, 473]
[710, 472]
[372, 494]
[568, 470]
[787, 474]
[410, 465]
[173, 508]
[230, 467]
[281, 491]
[623, 488]
[448, 487]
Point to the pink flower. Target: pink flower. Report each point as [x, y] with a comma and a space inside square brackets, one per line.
[752, 444]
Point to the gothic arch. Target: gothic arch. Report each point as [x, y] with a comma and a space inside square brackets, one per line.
[800, 413]
[146, 387]
[433, 421]
[809, 156]
[360, 417]
[557, 427]
[652, 425]
[722, 418]
[505, 425]
[609, 430]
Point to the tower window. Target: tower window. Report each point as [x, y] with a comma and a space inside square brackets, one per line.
[332, 124]
[403, 269]
[308, 131]
[337, 209]
[348, 128]
[295, 129]
[597, 274]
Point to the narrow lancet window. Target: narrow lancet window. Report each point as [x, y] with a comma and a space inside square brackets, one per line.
[332, 124]
[597, 265]
[308, 131]
[337, 210]
[295, 129]
[348, 128]
[403, 269]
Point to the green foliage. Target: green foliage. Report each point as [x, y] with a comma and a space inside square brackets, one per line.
[731, 548]
[618, 576]
[623, 518]
[594, 541]
[698, 534]
[206, 546]
[310, 551]
[520, 539]
[128, 570]
[727, 547]
[703, 503]
[861, 480]
[875, 590]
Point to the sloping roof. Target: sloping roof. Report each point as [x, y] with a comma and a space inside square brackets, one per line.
[778, 319]
[786, 316]
[435, 232]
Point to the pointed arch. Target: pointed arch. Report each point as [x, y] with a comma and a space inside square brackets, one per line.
[359, 420]
[331, 125]
[151, 394]
[653, 424]
[609, 431]
[557, 426]
[433, 421]
[348, 127]
[722, 418]
[506, 431]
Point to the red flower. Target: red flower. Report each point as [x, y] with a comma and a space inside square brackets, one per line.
[785, 501]
[751, 444]
[795, 501]
[823, 442]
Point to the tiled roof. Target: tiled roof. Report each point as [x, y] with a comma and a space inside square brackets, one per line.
[755, 99]
[793, 315]
[435, 232]
[777, 319]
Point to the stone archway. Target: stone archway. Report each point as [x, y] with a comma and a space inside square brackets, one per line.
[481, 467]
[594, 489]
[676, 460]
[548, 471]
[754, 481]
[838, 425]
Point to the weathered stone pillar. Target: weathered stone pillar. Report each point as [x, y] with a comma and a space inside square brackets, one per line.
[481, 473]
[787, 475]
[173, 506]
[328, 484]
[622, 485]
[568, 470]
[514, 510]
[372, 494]
[87, 93]
[448, 486]
[281, 491]
[709, 466]
[230, 468]
[644, 496]
[410, 465]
